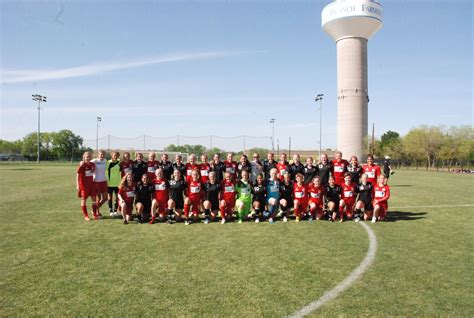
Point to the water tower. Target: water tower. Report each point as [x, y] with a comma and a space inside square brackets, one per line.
[350, 23]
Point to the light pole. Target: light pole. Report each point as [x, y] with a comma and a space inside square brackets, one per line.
[319, 98]
[39, 99]
[99, 119]
[272, 121]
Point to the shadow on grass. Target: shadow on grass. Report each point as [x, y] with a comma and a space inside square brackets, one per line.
[401, 186]
[22, 169]
[394, 216]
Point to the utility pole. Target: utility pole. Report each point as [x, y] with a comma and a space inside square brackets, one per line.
[319, 98]
[40, 99]
[99, 119]
[272, 121]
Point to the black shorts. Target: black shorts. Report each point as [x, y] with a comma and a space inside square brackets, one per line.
[336, 208]
[111, 190]
[179, 204]
[289, 201]
[368, 206]
[146, 206]
[262, 203]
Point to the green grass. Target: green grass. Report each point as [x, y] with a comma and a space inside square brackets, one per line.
[54, 263]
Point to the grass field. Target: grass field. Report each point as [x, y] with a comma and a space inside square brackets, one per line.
[54, 263]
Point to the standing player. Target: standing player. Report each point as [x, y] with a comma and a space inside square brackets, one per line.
[126, 196]
[152, 165]
[139, 167]
[269, 164]
[348, 195]
[179, 165]
[204, 168]
[333, 198]
[300, 195]
[114, 176]
[190, 166]
[160, 201]
[354, 169]
[387, 167]
[256, 168]
[243, 201]
[339, 168]
[381, 196]
[296, 167]
[243, 165]
[166, 166]
[227, 197]
[194, 195]
[177, 187]
[286, 196]
[310, 171]
[218, 167]
[371, 170]
[273, 194]
[85, 185]
[231, 166]
[100, 180]
[211, 198]
[143, 198]
[126, 165]
[283, 166]
[316, 197]
[364, 199]
[324, 169]
[259, 192]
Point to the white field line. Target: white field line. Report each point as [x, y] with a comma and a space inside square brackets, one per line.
[348, 281]
[431, 206]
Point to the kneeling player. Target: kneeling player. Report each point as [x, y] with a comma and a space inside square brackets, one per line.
[316, 195]
[300, 195]
[227, 197]
[286, 195]
[211, 198]
[194, 194]
[364, 199]
[143, 198]
[333, 198]
[259, 195]
[273, 194]
[160, 201]
[177, 186]
[349, 192]
[381, 196]
[126, 196]
[243, 201]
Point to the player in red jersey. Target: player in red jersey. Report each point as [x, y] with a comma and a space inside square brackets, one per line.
[348, 195]
[126, 165]
[300, 197]
[227, 197]
[339, 168]
[283, 166]
[194, 195]
[316, 197]
[126, 196]
[204, 168]
[381, 196]
[85, 185]
[231, 166]
[371, 170]
[160, 200]
[152, 165]
[190, 166]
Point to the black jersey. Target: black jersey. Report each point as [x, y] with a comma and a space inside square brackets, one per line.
[386, 167]
[167, 168]
[243, 166]
[333, 194]
[259, 192]
[365, 192]
[267, 166]
[286, 191]
[324, 170]
[181, 168]
[355, 172]
[219, 169]
[211, 193]
[138, 170]
[295, 169]
[177, 189]
[144, 193]
[310, 173]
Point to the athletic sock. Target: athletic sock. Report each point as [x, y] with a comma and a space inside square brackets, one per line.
[207, 212]
[257, 212]
[312, 211]
[186, 211]
[170, 214]
[84, 210]
[222, 210]
[110, 205]
[94, 208]
[297, 212]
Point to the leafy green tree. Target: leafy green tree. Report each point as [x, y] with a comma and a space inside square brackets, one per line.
[65, 143]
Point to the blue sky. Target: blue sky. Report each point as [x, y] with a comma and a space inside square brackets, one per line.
[224, 68]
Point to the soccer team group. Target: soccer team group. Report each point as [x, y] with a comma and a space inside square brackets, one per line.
[255, 190]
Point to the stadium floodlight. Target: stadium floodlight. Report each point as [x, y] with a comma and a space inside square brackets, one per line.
[319, 98]
[40, 99]
[99, 119]
[272, 121]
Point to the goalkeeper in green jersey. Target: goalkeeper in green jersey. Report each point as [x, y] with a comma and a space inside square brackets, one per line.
[243, 190]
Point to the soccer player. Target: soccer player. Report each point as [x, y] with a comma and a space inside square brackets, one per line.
[380, 202]
[243, 201]
[316, 197]
[139, 167]
[339, 168]
[143, 198]
[126, 196]
[160, 201]
[371, 170]
[269, 164]
[310, 171]
[194, 195]
[256, 168]
[190, 166]
[100, 180]
[243, 165]
[85, 185]
[152, 165]
[218, 167]
[300, 195]
[354, 169]
[114, 176]
[283, 166]
[296, 167]
[387, 167]
[231, 166]
[126, 165]
[364, 199]
[227, 197]
[273, 194]
[333, 198]
[211, 198]
[179, 165]
[286, 196]
[348, 195]
[204, 168]
[177, 187]
[324, 169]
[259, 192]
[166, 166]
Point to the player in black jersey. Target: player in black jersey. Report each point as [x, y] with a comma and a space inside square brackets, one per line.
[310, 171]
[333, 198]
[286, 195]
[143, 197]
[139, 167]
[166, 166]
[296, 167]
[244, 164]
[211, 198]
[218, 167]
[180, 166]
[269, 164]
[177, 186]
[259, 194]
[355, 169]
[364, 199]
[325, 169]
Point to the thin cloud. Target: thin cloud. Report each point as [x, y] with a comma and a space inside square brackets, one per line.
[19, 76]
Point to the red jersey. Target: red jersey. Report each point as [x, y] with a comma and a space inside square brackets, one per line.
[204, 169]
[161, 189]
[152, 166]
[300, 193]
[189, 169]
[195, 190]
[126, 167]
[349, 192]
[228, 190]
[86, 175]
[372, 172]
[338, 170]
[381, 195]
[282, 168]
[128, 193]
[316, 194]
[231, 167]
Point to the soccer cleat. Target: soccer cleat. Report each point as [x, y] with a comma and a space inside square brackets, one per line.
[95, 216]
[357, 219]
[240, 221]
[310, 219]
[270, 220]
[125, 222]
[280, 213]
[374, 219]
[251, 214]
[100, 215]
[206, 221]
[115, 214]
[152, 221]
[257, 220]
[223, 221]
[341, 220]
[86, 218]
[297, 219]
[285, 219]
[186, 222]
[111, 214]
